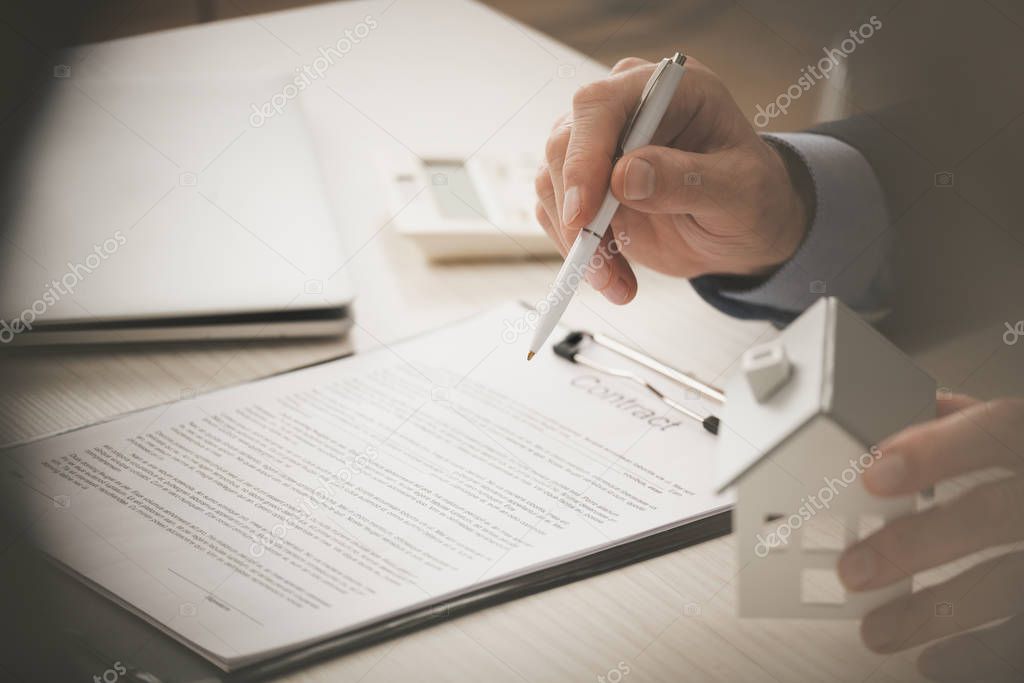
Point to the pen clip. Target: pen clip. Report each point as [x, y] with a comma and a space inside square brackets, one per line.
[678, 58]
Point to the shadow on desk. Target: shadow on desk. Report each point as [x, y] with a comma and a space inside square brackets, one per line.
[57, 628]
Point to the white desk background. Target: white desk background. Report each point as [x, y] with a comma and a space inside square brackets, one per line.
[666, 619]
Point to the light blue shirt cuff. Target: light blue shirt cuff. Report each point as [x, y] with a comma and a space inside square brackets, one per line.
[846, 251]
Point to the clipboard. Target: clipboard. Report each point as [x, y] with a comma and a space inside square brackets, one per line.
[87, 611]
[569, 349]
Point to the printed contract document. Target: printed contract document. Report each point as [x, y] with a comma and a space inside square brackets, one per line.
[261, 519]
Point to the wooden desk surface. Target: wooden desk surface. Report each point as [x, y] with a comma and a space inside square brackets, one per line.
[667, 619]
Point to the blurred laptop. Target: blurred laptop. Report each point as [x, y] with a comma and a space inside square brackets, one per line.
[157, 210]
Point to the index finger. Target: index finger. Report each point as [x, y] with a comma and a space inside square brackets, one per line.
[978, 436]
[600, 110]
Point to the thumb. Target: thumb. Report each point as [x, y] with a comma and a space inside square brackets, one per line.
[657, 179]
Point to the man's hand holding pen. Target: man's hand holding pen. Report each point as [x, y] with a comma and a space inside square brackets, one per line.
[707, 196]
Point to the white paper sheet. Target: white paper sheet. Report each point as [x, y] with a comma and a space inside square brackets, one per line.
[256, 519]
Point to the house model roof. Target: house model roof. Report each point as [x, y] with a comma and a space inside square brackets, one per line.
[833, 364]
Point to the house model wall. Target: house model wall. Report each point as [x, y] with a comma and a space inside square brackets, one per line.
[798, 430]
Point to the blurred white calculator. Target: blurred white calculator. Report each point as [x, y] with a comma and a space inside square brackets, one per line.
[482, 208]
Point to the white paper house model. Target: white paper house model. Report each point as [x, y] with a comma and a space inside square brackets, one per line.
[798, 430]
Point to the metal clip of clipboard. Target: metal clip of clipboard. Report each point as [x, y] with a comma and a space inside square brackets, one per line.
[569, 349]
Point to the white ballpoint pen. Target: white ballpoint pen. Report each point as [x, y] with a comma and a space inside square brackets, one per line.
[639, 131]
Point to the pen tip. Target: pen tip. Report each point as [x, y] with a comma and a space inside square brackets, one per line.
[530, 355]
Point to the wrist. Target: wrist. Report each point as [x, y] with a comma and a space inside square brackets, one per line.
[796, 201]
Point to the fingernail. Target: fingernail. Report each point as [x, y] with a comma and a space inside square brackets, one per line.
[952, 660]
[570, 205]
[887, 475]
[879, 633]
[617, 292]
[857, 567]
[639, 182]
